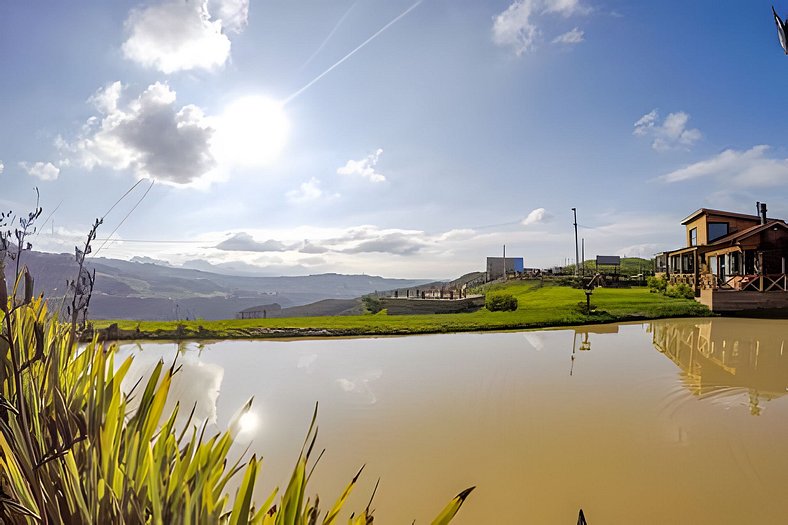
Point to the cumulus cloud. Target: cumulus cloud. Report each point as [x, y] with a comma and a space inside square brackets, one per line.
[308, 191]
[575, 36]
[179, 35]
[243, 242]
[311, 247]
[371, 239]
[364, 167]
[751, 168]
[42, 170]
[2, 167]
[536, 216]
[517, 28]
[149, 135]
[234, 14]
[671, 133]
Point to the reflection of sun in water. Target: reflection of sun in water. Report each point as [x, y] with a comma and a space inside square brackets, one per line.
[251, 132]
[248, 423]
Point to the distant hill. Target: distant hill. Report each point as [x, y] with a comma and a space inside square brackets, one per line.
[147, 290]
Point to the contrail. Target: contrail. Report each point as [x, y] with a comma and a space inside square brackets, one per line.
[367, 41]
[322, 45]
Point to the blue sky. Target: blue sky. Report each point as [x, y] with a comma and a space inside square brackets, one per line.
[461, 126]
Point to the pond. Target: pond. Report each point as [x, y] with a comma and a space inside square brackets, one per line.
[675, 421]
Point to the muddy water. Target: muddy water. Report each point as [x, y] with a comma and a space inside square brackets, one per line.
[664, 422]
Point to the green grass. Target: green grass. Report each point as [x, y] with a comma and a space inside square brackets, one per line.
[543, 306]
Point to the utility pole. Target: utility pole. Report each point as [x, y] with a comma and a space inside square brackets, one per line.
[504, 262]
[577, 251]
[583, 257]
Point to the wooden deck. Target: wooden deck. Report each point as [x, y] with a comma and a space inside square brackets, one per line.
[743, 300]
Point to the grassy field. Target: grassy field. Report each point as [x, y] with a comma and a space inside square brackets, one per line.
[543, 306]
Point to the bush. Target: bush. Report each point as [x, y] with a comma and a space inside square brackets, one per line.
[680, 291]
[503, 302]
[657, 284]
[372, 304]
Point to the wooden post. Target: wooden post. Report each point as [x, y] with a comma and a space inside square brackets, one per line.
[760, 271]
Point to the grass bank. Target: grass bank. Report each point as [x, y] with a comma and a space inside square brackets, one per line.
[539, 306]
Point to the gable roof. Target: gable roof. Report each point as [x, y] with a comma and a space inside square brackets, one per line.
[748, 232]
[722, 213]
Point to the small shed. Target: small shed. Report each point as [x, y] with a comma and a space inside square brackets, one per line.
[611, 261]
[259, 312]
[498, 267]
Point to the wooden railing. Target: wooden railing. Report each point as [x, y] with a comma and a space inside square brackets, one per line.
[683, 278]
[776, 282]
[766, 283]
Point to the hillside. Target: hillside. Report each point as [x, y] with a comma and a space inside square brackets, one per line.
[146, 290]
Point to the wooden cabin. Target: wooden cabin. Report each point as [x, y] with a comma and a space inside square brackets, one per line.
[731, 252]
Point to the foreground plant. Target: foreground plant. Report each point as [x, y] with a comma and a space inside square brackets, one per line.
[72, 450]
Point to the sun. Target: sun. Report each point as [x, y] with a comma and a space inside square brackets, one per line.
[251, 132]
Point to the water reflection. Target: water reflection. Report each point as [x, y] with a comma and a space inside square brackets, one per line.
[630, 434]
[196, 383]
[727, 356]
[583, 333]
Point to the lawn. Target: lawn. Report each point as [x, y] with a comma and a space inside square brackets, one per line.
[539, 306]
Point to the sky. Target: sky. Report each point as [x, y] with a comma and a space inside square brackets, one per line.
[387, 137]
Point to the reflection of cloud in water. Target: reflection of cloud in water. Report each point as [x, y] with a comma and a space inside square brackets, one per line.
[195, 384]
[360, 384]
[306, 361]
[535, 340]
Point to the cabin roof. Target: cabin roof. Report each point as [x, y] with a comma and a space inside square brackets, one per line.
[722, 213]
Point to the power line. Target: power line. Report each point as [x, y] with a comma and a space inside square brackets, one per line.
[152, 182]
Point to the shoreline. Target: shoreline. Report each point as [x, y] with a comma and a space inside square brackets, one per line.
[183, 332]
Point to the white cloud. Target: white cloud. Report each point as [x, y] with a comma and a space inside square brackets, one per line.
[516, 27]
[308, 191]
[672, 133]
[575, 36]
[42, 170]
[536, 216]
[2, 167]
[364, 167]
[149, 135]
[750, 168]
[234, 14]
[243, 242]
[179, 35]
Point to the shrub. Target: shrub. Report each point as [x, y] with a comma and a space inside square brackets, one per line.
[502, 302]
[680, 291]
[657, 284]
[372, 304]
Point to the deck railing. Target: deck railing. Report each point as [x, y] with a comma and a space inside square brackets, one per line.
[683, 278]
[766, 283]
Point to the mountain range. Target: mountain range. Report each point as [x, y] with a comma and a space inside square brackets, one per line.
[143, 289]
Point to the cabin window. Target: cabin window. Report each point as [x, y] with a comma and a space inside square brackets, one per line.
[713, 265]
[735, 266]
[717, 230]
[693, 237]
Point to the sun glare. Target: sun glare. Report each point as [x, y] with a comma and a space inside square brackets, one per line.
[251, 132]
[248, 423]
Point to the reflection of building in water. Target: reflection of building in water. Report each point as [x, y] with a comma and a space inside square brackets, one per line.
[721, 354]
[585, 340]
